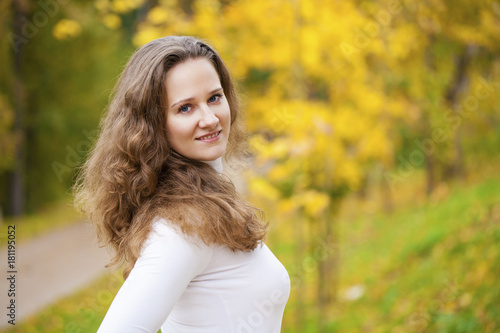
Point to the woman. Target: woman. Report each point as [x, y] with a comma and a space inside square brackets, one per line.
[193, 249]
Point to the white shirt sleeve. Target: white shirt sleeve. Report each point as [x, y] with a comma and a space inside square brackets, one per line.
[168, 262]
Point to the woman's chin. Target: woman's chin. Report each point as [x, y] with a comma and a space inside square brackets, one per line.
[211, 154]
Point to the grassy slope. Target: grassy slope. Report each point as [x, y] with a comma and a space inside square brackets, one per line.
[432, 268]
[425, 268]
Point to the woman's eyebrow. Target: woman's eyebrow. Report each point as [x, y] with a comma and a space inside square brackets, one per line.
[192, 98]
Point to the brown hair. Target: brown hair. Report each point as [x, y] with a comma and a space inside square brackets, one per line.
[132, 175]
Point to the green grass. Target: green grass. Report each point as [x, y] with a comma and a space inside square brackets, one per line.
[50, 218]
[432, 268]
[82, 312]
[426, 267]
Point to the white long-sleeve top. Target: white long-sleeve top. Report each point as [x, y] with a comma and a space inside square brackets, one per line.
[181, 285]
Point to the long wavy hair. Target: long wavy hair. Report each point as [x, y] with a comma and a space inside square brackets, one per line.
[133, 176]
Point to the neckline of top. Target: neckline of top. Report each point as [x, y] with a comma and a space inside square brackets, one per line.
[216, 164]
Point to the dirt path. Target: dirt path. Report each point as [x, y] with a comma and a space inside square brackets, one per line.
[50, 267]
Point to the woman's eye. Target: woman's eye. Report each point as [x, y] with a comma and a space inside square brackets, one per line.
[214, 98]
[185, 108]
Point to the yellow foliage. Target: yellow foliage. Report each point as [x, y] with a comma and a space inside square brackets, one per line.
[376, 145]
[262, 188]
[112, 21]
[65, 29]
[102, 5]
[402, 41]
[318, 115]
[490, 26]
[280, 172]
[314, 202]
[469, 35]
[287, 206]
[146, 35]
[348, 125]
[278, 148]
[349, 173]
[157, 15]
[125, 6]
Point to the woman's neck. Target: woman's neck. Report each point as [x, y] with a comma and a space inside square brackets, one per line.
[216, 164]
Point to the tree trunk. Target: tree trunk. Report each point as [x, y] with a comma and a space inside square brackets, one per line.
[430, 174]
[299, 277]
[187, 7]
[17, 177]
[329, 266]
[430, 161]
[459, 84]
[387, 199]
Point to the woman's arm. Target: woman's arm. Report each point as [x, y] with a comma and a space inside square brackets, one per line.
[167, 264]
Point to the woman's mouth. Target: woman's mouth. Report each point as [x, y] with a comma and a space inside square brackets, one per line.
[211, 137]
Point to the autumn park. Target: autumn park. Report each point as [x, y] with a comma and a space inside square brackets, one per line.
[375, 135]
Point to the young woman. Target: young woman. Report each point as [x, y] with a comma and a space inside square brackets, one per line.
[193, 249]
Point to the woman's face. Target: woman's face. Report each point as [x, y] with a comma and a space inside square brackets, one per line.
[198, 115]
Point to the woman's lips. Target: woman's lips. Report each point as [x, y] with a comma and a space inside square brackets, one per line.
[211, 137]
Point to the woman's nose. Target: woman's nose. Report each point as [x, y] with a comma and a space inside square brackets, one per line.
[208, 118]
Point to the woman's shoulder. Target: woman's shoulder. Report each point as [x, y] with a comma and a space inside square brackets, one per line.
[167, 244]
[166, 231]
[161, 227]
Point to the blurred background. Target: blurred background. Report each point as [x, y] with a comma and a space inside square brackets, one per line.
[376, 131]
